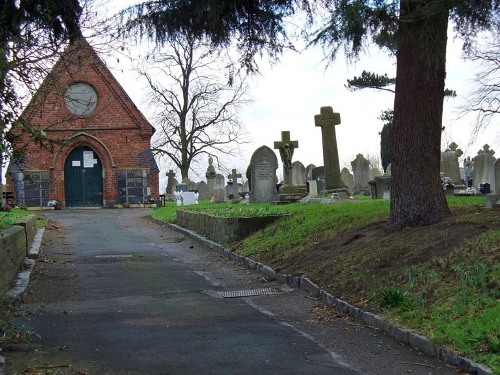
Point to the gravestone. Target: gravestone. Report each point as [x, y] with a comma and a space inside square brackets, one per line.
[484, 168]
[313, 189]
[181, 187]
[202, 190]
[246, 188]
[449, 163]
[170, 182]
[327, 120]
[361, 171]
[347, 178]
[318, 173]
[309, 169]
[467, 171]
[189, 198]
[298, 174]
[263, 166]
[193, 186]
[219, 188]
[233, 187]
[210, 175]
[286, 148]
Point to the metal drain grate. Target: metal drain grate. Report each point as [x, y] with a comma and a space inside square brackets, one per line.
[247, 292]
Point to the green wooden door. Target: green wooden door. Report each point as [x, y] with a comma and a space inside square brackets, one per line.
[83, 178]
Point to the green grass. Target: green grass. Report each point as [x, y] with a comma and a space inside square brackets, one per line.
[9, 218]
[440, 281]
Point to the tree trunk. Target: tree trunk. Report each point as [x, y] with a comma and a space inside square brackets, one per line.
[417, 197]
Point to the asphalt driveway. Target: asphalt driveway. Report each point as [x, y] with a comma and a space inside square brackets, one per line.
[113, 293]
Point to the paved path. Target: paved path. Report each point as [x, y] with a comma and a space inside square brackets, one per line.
[116, 294]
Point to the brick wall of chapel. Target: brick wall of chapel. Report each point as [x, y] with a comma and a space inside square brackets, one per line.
[115, 127]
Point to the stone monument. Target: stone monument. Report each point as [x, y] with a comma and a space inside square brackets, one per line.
[262, 175]
[361, 171]
[210, 175]
[449, 163]
[327, 120]
[484, 168]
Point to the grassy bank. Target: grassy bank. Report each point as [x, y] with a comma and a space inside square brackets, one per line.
[441, 280]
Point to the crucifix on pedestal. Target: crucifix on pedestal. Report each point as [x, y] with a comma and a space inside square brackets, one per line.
[286, 148]
[327, 120]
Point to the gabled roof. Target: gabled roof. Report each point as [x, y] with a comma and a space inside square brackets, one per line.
[80, 63]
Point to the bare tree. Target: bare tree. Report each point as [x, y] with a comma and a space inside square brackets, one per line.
[196, 98]
[484, 101]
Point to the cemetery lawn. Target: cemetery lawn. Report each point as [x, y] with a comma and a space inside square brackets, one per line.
[441, 280]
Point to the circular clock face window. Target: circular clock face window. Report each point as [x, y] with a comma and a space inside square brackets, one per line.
[80, 99]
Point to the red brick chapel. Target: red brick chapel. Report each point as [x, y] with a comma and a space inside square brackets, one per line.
[101, 155]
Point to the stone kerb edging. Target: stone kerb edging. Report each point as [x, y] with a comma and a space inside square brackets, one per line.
[406, 336]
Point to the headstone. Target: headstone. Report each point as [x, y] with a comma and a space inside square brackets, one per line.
[347, 178]
[219, 189]
[309, 169]
[170, 182]
[449, 163]
[286, 148]
[313, 189]
[202, 190]
[181, 187]
[263, 166]
[467, 171]
[318, 173]
[246, 187]
[361, 171]
[484, 168]
[193, 186]
[298, 174]
[233, 191]
[210, 175]
[327, 120]
[189, 198]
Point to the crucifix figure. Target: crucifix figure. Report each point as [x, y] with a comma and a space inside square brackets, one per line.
[234, 176]
[286, 148]
[327, 120]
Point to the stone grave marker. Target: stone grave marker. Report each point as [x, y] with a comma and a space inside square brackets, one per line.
[449, 163]
[219, 189]
[286, 148]
[298, 174]
[327, 120]
[181, 187]
[263, 166]
[210, 175]
[309, 169]
[313, 189]
[170, 182]
[361, 171]
[347, 178]
[484, 168]
[189, 198]
[233, 187]
[202, 190]
[497, 177]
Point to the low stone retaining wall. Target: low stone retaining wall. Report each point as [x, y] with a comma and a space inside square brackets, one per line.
[221, 229]
[14, 244]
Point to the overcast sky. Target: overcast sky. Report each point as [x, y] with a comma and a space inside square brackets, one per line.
[289, 94]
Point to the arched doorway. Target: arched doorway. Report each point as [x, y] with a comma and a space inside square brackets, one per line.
[83, 178]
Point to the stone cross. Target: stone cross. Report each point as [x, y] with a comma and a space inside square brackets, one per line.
[327, 119]
[234, 176]
[170, 181]
[454, 147]
[286, 148]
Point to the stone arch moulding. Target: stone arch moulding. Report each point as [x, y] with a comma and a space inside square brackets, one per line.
[85, 139]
